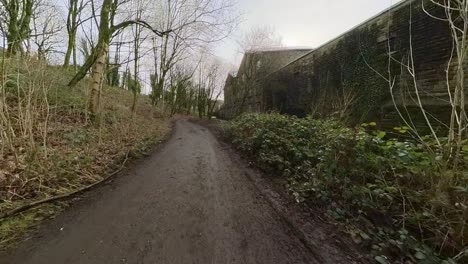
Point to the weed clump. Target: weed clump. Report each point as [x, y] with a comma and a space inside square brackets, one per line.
[393, 196]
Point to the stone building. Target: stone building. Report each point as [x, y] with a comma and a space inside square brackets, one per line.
[242, 92]
[345, 76]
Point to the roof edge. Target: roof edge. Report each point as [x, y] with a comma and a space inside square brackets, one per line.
[387, 10]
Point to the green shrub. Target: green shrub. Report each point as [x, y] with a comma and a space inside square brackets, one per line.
[393, 194]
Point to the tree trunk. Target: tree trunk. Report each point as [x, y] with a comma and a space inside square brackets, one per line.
[97, 60]
[134, 103]
[135, 68]
[70, 48]
[84, 69]
[97, 74]
[13, 31]
[72, 26]
[74, 57]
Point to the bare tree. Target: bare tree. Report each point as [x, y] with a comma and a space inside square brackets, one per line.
[195, 24]
[98, 57]
[456, 16]
[251, 45]
[45, 29]
[137, 31]
[113, 75]
[213, 84]
[200, 16]
[180, 85]
[260, 37]
[208, 83]
[15, 22]
[74, 21]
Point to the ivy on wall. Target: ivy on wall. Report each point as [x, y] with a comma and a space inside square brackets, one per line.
[339, 79]
[343, 81]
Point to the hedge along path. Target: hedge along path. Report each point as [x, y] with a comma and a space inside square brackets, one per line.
[65, 196]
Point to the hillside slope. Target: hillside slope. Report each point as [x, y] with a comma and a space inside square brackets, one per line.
[50, 147]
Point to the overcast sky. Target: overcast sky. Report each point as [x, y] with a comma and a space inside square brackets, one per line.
[307, 23]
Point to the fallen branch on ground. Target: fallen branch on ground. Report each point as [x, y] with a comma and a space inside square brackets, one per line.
[62, 196]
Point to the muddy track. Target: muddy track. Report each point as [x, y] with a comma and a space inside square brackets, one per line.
[190, 202]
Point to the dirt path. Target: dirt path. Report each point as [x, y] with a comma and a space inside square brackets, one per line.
[188, 203]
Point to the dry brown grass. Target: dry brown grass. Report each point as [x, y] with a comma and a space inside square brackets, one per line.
[62, 151]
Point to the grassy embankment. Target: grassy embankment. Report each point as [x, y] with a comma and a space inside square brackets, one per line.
[50, 148]
[398, 200]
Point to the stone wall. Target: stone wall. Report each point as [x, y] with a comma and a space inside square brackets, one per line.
[241, 92]
[343, 77]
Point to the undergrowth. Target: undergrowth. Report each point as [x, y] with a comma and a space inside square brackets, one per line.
[49, 146]
[393, 196]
